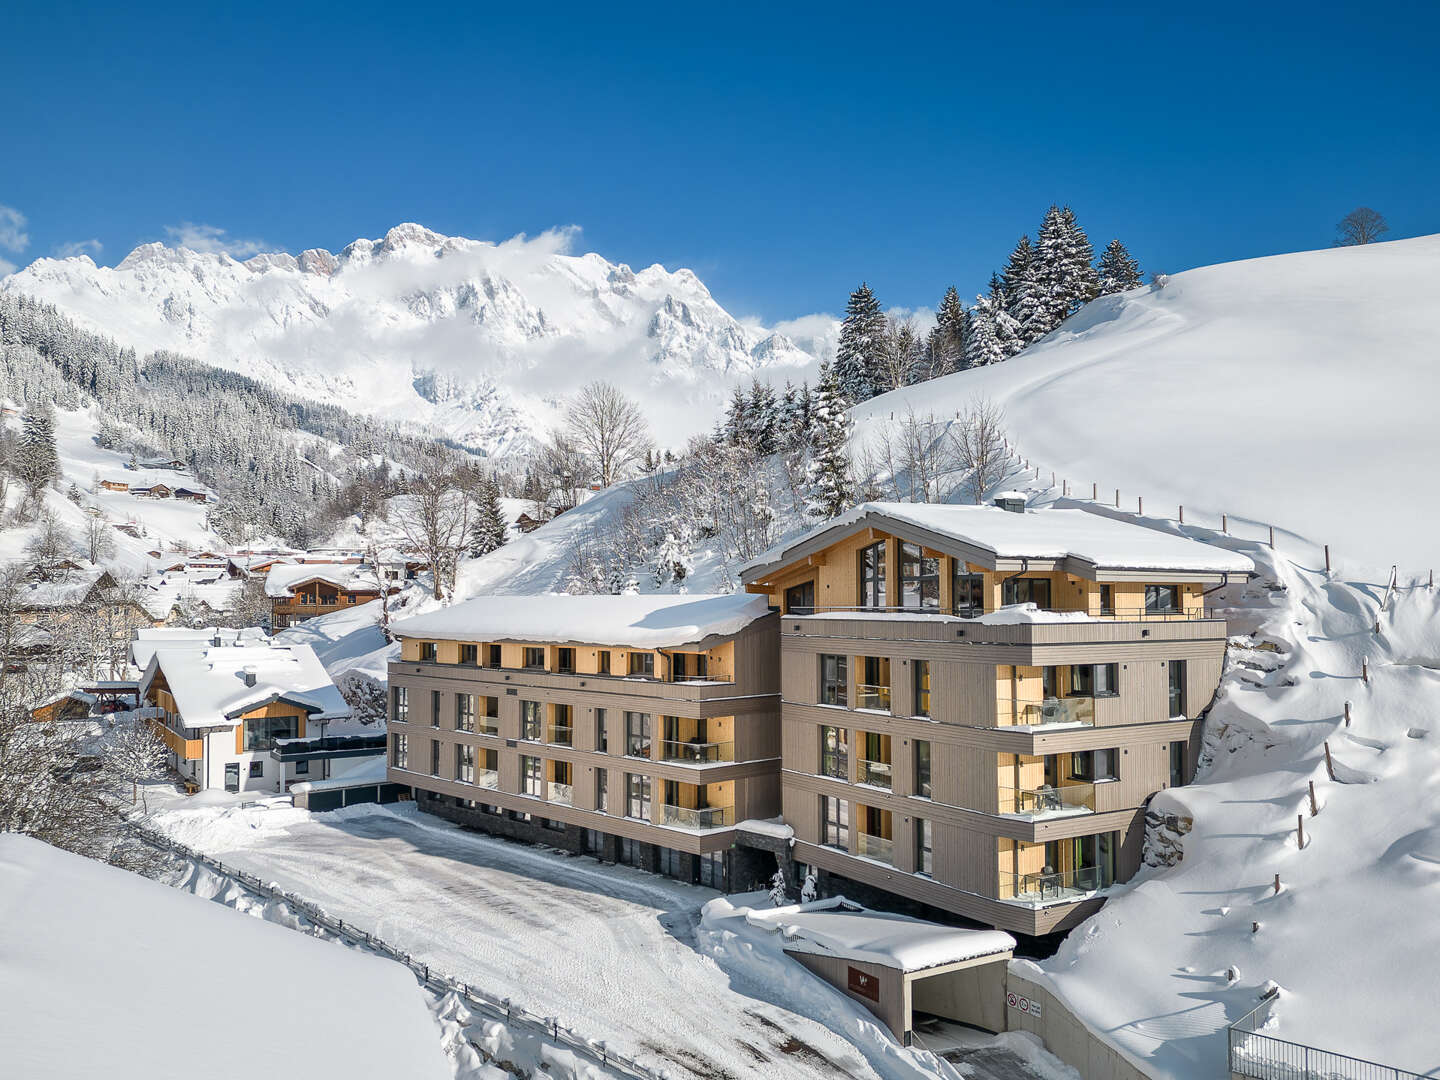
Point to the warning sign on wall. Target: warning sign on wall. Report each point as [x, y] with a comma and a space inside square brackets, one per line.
[1025, 1005]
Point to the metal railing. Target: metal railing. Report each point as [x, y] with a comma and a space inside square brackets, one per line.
[875, 773]
[1044, 712]
[1051, 886]
[437, 982]
[329, 746]
[874, 847]
[1072, 798]
[697, 753]
[968, 611]
[1265, 1057]
[685, 817]
[875, 697]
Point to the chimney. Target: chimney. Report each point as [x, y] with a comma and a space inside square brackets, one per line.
[1014, 501]
[249, 676]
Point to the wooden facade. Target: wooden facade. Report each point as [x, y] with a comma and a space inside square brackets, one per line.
[316, 596]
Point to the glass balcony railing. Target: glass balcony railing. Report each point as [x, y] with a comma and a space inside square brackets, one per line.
[487, 725]
[1046, 712]
[561, 735]
[1045, 801]
[874, 847]
[487, 778]
[872, 697]
[697, 753]
[685, 817]
[874, 773]
[1054, 886]
[562, 794]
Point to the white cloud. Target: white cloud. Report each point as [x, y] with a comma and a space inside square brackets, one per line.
[211, 240]
[6, 267]
[13, 236]
[78, 247]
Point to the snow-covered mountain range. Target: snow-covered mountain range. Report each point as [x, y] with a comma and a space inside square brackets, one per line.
[479, 340]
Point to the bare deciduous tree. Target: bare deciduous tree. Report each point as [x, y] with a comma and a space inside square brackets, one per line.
[99, 539]
[903, 352]
[978, 436]
[1361, 226]
[917, 458]
[566, 469]
[609, 427]
[136, 754]
[434, 517]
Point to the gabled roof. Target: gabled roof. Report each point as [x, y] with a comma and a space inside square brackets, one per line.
[638, 622]
[68, 589]
[1076, 541]
[209, 682]
[282, 580]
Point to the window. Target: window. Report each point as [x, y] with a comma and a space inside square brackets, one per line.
[565, 661]
[1049, 681]
[968, 591]
[1162, 599]
[562, 730]
[834, 822]
[919, 579]
[1026, 591]
[427, 651]
[872, 576]
[434, 757]
[434, 708]
[490, 717]
[493, 660]
[833, 679]
[302, 768]
[257, 770]
[874, 691]
[400, 696]
[642, 663]
[1094, 859]
[532, 776]
[800, 599]
[1177, 763]
[637, 734]
[530, 725]
[602, 662]
[922, 768]
[399, 751]
[262, 730]
[1107, 600]
[602, 740]
[465, 764]
[1175, 672]
[534, 657]
[924, 847]
[922, 687]
[1095, 680]
[637, 796]
[1095, 765]
[834, 753]
[602, 790]
[689, 666]
[464, 712]
[470, 654]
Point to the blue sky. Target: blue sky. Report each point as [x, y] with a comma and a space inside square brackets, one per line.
[782, 152]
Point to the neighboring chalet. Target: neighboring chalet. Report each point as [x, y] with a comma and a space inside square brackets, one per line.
[302, 591]
[641, 729]
[243, 713]
[168, 464]
[978, 703]
[115, 485]
[152, 491]
[70, 705]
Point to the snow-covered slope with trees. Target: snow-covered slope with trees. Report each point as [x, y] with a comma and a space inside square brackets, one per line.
[478, 339]
[1296, 390]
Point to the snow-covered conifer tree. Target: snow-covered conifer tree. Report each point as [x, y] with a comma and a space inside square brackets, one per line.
[36, 460]
[830, 488]
[490, 528]
[862, 344]
[1118, 270]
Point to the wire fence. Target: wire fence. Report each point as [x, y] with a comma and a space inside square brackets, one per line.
[497, 1008]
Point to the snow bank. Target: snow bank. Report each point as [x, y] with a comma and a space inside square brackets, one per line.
[108, 974]
[655, 621]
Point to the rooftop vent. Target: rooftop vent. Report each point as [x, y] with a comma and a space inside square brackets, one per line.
[1014, 501]
[249, 676]
[215, 641]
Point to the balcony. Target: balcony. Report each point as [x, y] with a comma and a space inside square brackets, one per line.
[1048, 802]
[487, 778]
[560, 794]
[561, 735]
[697, 753]
[685, 817]
[875, 773]
[874, 698]
[874, 847]
[1050, 712]
[334, 746]
[1053, 886]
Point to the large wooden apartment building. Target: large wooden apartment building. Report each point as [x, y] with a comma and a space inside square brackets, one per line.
[978, 703]
[641, 729]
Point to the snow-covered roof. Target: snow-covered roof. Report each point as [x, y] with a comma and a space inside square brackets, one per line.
[657, 621]
[212, 685]
[281, 580]
[147, 640]
[835, 927]
[70, 587]
[79, 933]
[990, 534]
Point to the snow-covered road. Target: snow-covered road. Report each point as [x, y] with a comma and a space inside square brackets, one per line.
[607, 949]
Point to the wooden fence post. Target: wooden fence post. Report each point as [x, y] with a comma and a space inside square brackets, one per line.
[1117, 498]
[1313, 808]
[1365, 670]
[1182, 513]
[1300, 830]
[1272, 537]
[1225, 524]
[1095, 491]
[1329, 762]
[1347, 714]
[1140, 505]
[1277, 884]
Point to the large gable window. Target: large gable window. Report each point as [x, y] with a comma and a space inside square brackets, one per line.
[919, 579]
[260, 731]
[872, 575]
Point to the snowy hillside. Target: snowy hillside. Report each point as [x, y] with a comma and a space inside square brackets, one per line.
[1296, 390]
[479, 339]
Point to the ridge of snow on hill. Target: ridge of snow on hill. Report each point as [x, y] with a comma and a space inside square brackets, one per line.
[1295, 389]
[479, 339]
